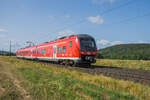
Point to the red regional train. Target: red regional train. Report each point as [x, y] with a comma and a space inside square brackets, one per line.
[72, 50]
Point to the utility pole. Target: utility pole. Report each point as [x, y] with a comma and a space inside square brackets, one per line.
[10, 48]
[2, 51]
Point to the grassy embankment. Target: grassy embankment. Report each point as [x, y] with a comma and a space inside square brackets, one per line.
[47, 82]
[8, 91]
[130, 64]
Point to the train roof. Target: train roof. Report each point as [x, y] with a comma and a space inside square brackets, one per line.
[61, 38]
[83, 35]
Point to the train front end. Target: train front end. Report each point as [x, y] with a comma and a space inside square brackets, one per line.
[88, 49]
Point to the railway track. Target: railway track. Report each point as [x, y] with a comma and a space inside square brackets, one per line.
[137, 76]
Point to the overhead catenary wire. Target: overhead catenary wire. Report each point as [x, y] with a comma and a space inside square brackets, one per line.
[135, 17]
[118, 7]
[106, 11]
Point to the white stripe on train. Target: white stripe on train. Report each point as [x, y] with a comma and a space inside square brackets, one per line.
[51, 58]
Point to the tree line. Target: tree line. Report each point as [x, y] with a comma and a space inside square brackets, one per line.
[126, 52]
[6, 53]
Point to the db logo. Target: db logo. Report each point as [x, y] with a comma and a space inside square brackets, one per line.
[88, 53]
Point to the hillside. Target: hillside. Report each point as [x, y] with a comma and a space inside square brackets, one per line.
[126, 51]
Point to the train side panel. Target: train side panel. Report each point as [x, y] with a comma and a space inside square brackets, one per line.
[66, 49]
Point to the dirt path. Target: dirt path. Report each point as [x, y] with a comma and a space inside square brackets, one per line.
[10, 85]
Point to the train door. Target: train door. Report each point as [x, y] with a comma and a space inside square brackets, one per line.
[31, 52]
[54, 51]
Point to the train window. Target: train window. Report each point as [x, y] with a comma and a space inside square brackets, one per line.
[64, 49]
[70, 43]
[44, 51]
[59, 50]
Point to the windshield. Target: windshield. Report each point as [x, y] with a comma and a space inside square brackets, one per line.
[87, 44]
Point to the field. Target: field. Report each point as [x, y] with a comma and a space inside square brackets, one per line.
[130, 64]
[30, 80]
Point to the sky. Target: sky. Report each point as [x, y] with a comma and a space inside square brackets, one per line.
[110, 22]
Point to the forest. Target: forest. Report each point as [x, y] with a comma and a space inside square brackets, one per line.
[126, 52]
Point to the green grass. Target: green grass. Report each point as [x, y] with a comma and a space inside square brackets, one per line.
[130, 64]
[47, 85]
[49, 82]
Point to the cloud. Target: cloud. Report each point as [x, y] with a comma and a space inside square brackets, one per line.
[3, 30]
[103, 42]
[142, 41]
[103, 1]
[106, 42]
[116, 42]
[96, 19]
[65, 33]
